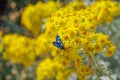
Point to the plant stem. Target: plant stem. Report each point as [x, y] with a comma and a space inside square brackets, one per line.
[99, 68]
[96, 70]
[97, 75]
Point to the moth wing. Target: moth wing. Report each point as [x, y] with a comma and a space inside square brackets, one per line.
[58, 39]
[55, 44]
[61, 46]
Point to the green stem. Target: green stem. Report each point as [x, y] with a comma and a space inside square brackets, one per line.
[97, 75]
[99, 68]
[96, 70]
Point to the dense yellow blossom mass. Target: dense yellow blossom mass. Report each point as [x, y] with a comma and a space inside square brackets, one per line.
[22, 49]
[76, 5]
[33, 15]
[76, 29]
[42, 45]
[49, 68]
[19, 49]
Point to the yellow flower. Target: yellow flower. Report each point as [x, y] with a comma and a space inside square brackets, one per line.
[76, 30]
[110, 51]
[49, 69]
[98, 47]
[76, 5]
[19, 49]
[33, 15]
[102, 39]
[102, 8]
[31, 22]
[42, 45]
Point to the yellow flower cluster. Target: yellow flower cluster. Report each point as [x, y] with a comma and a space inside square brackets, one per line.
[22, 49]
[76, 5]
[86, 19]
[53, 69]
[33, 15]
[84, 45]
[77, 31]
[72, 60]
[67, 22]
[106, 10]
[50, 69]
[89, 43]
[42, 45]
[19, 49]
[41, 11]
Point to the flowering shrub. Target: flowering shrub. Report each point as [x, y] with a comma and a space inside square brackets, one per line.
[15, 49]
[66, 44]
[79, 40]
[41, 11]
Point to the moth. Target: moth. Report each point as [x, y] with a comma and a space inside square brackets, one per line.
[58, 43]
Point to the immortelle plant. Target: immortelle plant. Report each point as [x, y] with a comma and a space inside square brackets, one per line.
[76, 44]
